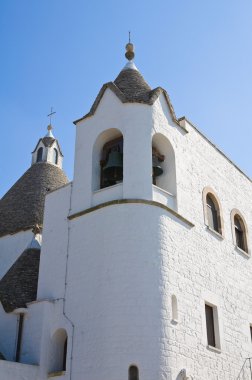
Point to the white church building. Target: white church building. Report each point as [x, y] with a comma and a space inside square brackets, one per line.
[144, 271]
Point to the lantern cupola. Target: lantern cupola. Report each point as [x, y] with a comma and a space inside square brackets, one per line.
[48, 150]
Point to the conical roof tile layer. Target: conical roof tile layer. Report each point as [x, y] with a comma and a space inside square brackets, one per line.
[22, 207]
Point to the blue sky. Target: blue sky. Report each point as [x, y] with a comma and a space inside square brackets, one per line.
[59, 53]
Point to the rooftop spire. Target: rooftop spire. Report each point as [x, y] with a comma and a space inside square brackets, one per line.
[50, 115]
[49, 128]
[130, 56]
[129, 50]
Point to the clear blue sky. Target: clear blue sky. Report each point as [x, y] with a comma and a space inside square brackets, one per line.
[59, 53]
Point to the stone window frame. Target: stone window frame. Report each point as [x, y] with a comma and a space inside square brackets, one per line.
[235, 212]
[216, 326]
[209, 191]
[213, 300]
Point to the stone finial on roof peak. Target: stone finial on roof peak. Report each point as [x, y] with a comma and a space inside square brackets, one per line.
[130, 51]
[49, 133]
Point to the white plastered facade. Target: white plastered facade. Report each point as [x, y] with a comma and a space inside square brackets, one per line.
[108, 271]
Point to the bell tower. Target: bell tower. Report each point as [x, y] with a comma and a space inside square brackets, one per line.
[122, 150]
[117, 212]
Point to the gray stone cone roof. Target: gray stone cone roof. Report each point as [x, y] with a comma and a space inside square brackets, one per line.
[132, 84]
[23, 205]
[48, 141]
[131, 87]
[19, 285]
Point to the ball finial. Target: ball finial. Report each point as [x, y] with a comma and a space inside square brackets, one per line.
[129, 50]
[49, 127]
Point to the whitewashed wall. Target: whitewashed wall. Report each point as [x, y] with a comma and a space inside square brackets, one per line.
[126, 261]
[117, 267]
[52, 273]
[17, 371]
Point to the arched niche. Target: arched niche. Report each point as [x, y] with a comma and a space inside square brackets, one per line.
[58, 352]
[174, 305]
[107, 141]
[163, 150]
[133, 373]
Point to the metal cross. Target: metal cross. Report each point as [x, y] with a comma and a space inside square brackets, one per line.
[129, 36]
[50, 114]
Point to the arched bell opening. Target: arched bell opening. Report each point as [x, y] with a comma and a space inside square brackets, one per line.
[157, 170]
[58, 352]
[55, 156]
[163, 164]
[40, 154]
[108, 159]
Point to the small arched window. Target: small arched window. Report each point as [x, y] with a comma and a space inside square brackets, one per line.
[55, 156]
[40, 154]
[213, 217]
[133, 373]
[240, 233]
[58, 354]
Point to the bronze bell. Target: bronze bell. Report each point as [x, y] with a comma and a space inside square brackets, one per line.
[113, 170]
[156, 168]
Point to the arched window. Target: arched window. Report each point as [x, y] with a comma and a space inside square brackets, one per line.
[58, 351]
[112, 163]
[212, 213]
[212, 210]
[240, 233]
[55, 156]
[40, 154]
[133, 373]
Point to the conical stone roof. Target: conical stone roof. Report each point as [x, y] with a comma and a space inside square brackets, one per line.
[131, 87]
[22, 206]
[132, 84]
[19, 285]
